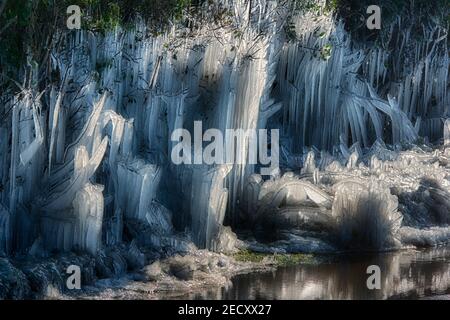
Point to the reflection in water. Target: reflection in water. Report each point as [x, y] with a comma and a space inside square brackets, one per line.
[405, 274]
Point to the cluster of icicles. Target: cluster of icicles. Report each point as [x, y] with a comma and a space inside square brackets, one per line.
[84, 159]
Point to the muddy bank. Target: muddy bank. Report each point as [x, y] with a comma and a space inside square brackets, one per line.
[129, 272]
[179, 275]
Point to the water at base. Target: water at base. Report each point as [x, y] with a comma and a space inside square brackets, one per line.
[409, 274]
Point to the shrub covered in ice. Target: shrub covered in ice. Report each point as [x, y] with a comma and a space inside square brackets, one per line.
[85, 163]
[366, 215]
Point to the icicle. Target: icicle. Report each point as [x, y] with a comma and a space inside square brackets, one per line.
[5, 231]
[88, 209]
[14, 162]
[309, 164]
[447, 132]
[141, 177]
[87, 134]
[30, 151]
[54, 125]
[209, 198]
[253, 188]
[63, 199]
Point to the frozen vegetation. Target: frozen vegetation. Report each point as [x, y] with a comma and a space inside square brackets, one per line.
[86, 175]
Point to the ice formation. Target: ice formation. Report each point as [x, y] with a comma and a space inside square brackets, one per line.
[89, 158]
[366, 215]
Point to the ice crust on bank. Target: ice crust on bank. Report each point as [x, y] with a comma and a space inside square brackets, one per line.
[90, 157]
